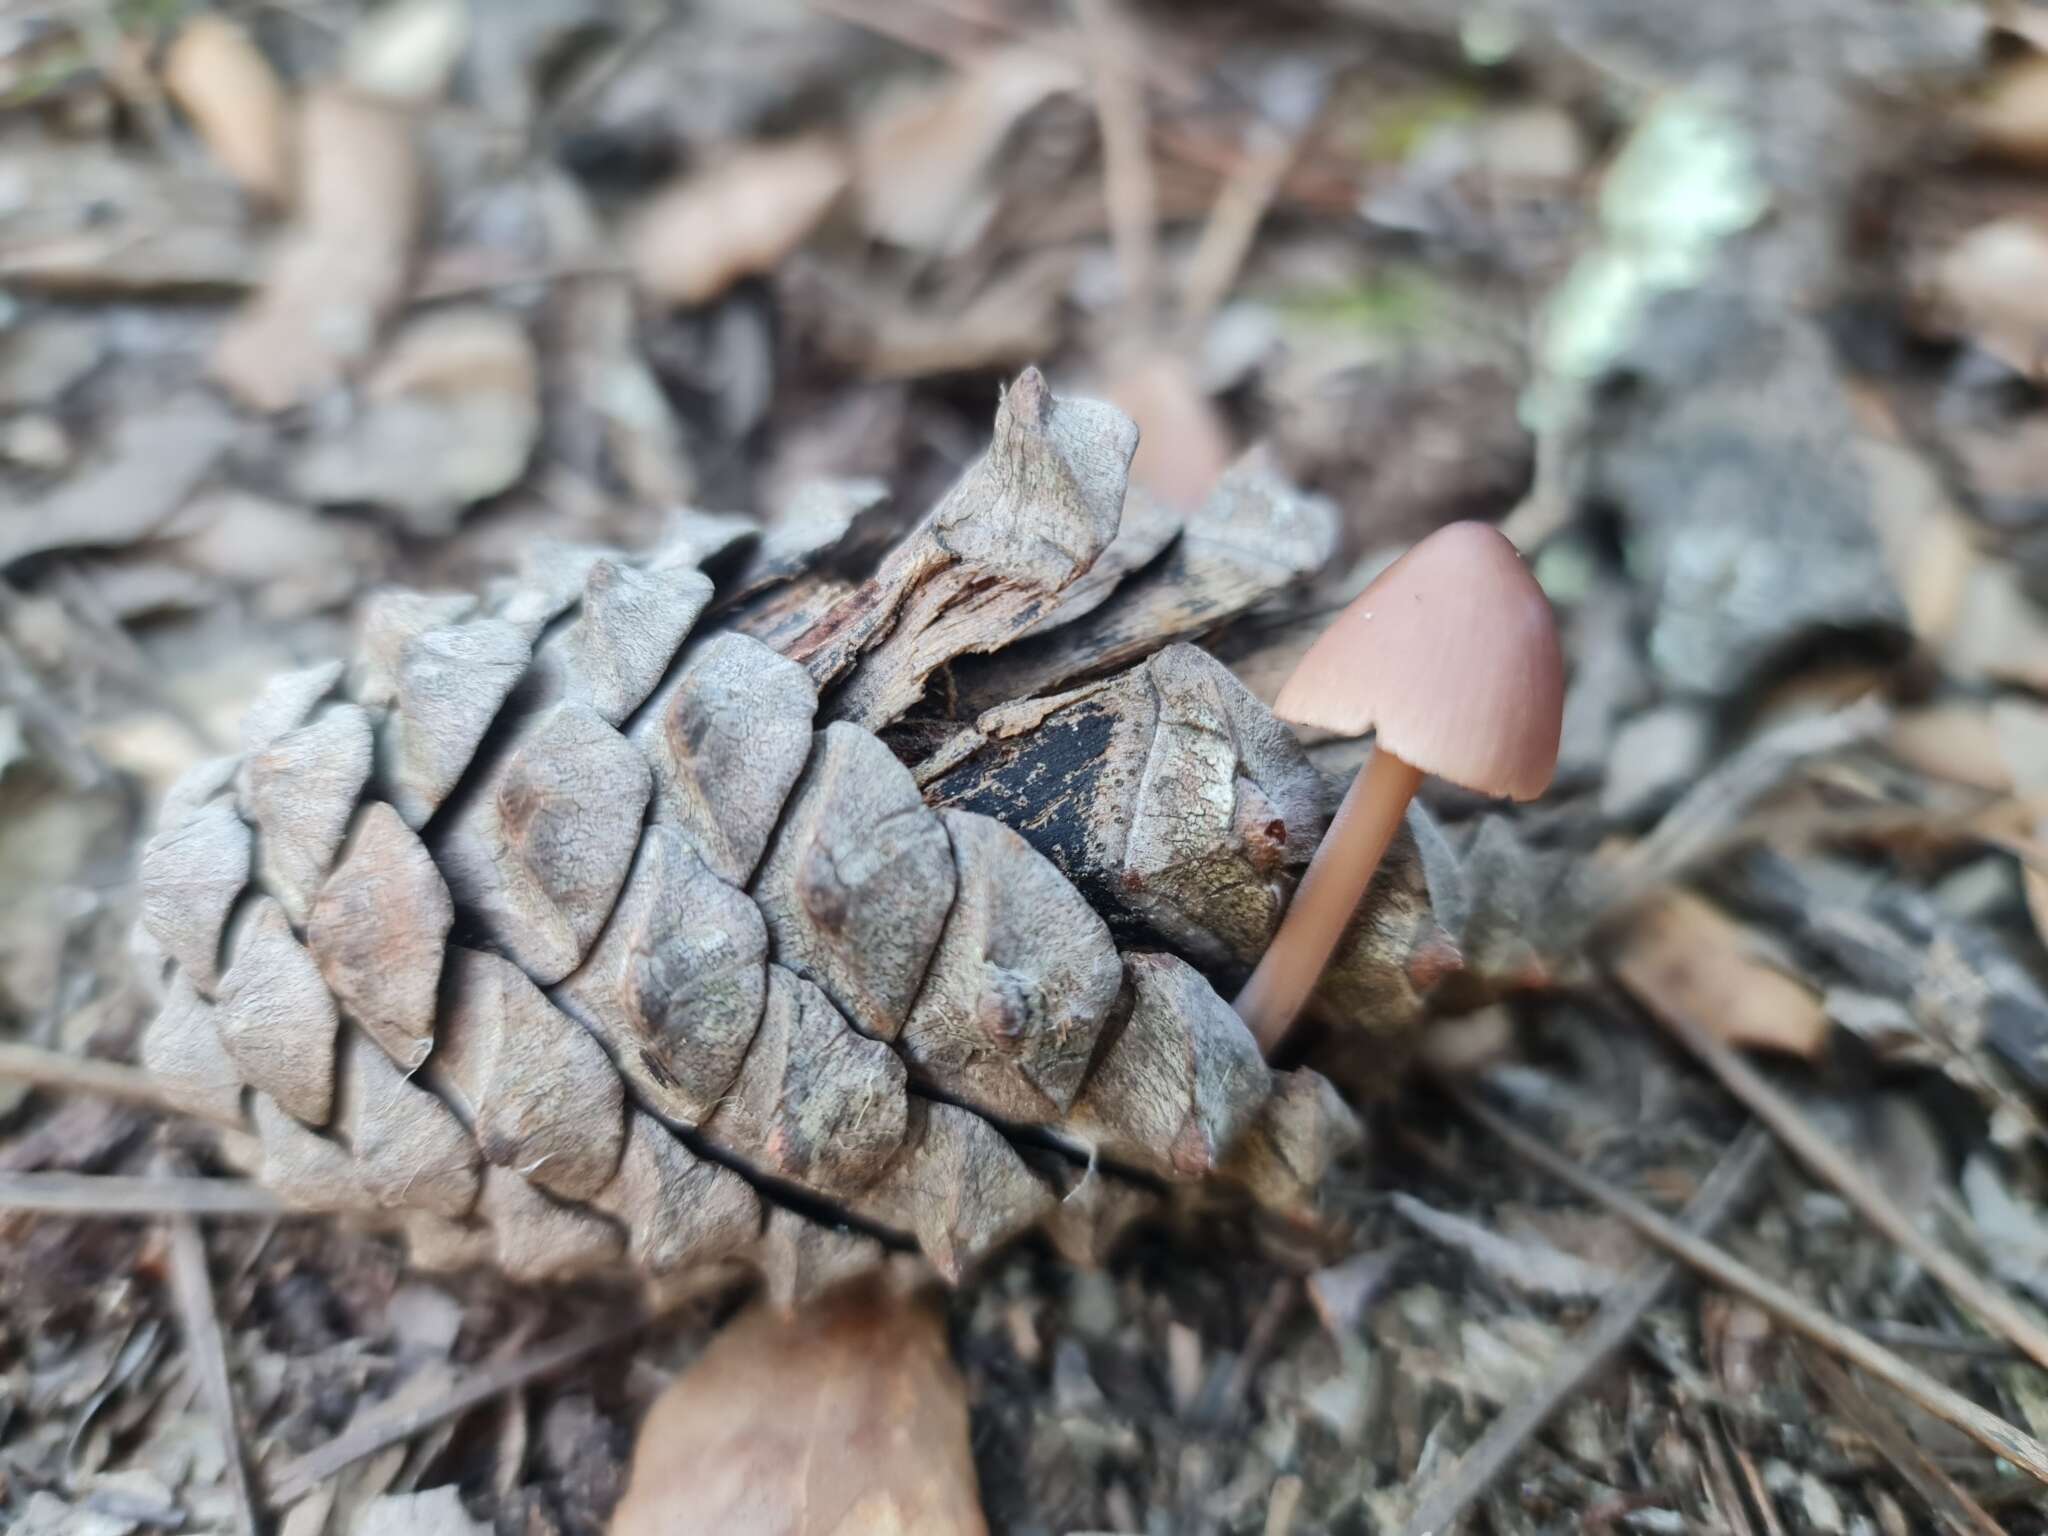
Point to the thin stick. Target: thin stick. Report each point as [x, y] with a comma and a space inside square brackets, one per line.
[1239, 209]
[82, 1074]
[1790, 1309]
[1622, 1309]
[298, 1478]
[207, 1349]
[1982, 1297]
[1766, 1507]
[1943, 1495]
[1126, 159]
[1720, 1479]
[89, 1194]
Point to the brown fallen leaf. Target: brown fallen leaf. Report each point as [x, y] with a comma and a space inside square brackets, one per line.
[450, 416]
[2009, 119]
[342, 272]
[1684, 956]
[846, 1420]
[1183, 445]
[705, 232]
[221, 80]
[1992, 285]
[921, 160]
[1925, 539]
[2000, 632]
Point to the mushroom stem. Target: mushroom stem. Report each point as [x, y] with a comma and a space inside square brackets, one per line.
[1337, 877]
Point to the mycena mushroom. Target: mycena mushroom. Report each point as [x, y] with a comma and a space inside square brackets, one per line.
[1451, 658]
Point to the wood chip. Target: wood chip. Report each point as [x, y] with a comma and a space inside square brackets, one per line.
[222, 81]
[699, 236]
[1688, 958]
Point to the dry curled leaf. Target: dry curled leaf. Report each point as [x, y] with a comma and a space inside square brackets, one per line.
[342, 271]
[847, 1420]
[449, 417]
[235, 100]
[710, 229]
[1684, 956]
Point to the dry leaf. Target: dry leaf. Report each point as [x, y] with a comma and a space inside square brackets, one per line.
[449, 418]
[847, 1420]
[2000, 631]
[1684, 956]
[2010, 118]
[1993, 286]
[921, 161]
[437, 1512]
[226, 86]
[1183, 445]
[407, 50]
[1957, 742]
[705, 232]
[1926, 541]
[342, 272]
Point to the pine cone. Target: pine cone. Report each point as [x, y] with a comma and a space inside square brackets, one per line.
[581, 930]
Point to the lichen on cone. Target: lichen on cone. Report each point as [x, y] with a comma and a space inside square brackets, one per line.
[644, 911]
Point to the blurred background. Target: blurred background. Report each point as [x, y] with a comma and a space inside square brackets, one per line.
[1733, 315]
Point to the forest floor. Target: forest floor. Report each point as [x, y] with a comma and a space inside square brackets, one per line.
[1734, 316]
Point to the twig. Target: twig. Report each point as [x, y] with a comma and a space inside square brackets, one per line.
[298, 1477]
[1258, 1341]
[1494, 1451]
[89, 1194]
[192, 1286]
[1982, 1297]
[1753, 1477]
[1711, 811]
[1721, 1484]
[1241, 206]
[1950, 1503]
[1126, 160]
[81, 1074]
[1790, 1309]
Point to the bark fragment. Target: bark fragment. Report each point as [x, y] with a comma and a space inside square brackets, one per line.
[276, 1018]
[857, 883]
[1026, 520]
[674, 986]
[1024, 975]
[377, 932]
[1256, 536]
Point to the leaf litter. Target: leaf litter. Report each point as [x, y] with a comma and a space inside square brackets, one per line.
[466, 272]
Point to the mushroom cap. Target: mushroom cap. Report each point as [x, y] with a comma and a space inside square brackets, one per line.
[1452, 655]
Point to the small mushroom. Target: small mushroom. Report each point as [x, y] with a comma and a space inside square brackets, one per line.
[1451, 655]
